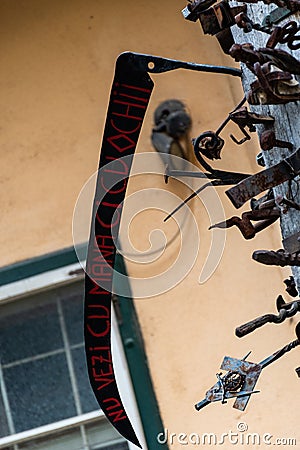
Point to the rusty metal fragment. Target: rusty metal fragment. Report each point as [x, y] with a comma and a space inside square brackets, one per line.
[276, 258]
[268, 141]
[291, 286]
[210, 144]
[273, 86]
[194, 8]
[215, 20]
[279, 58]
[285, 310]
[216, 177]
[219, 17]
[287, 34]
[265, 218]
[273, 68]
[262, 201]
[243, 118]
[243, 373]
[288, 203]
[285, 170]
[250, 371]
[241, 377]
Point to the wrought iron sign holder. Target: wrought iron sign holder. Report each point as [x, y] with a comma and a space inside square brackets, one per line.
[275, 83]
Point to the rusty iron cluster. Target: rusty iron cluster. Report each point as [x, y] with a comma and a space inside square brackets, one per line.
[273, 68]
[275, 84]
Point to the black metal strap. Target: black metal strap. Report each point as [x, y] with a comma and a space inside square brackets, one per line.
[130, 94]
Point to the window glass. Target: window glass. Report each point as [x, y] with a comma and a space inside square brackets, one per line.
[19, 332]
[87, 398]
[42, 359]
[43, 373]
[39, 392]
[72, 306]
[4, 430]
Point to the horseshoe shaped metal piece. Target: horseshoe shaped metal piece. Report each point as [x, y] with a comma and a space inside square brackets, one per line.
[130, 94]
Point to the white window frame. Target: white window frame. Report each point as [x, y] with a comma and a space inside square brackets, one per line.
[57, 278]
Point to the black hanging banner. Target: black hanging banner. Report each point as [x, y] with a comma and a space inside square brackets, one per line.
[130, 94]
[129, 98]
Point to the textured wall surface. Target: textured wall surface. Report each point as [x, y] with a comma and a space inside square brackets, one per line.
[56, 71]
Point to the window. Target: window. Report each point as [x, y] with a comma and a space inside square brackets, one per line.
[46, 401]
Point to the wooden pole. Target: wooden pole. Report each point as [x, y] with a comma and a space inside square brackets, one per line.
[287, 119]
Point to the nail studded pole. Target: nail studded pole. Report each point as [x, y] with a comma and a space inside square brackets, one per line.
[286, 116]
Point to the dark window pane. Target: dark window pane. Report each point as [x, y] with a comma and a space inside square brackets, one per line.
[29, 333]
[3, 422]
[72, 305]
[39, 392]
[87, 398]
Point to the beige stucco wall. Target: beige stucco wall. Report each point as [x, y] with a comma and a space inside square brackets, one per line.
[56, 71]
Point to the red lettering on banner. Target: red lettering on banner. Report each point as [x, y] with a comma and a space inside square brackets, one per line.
[125, 116]
[110, 225]
[101, 307]
[104, 382]
[98, 321]
[110, 205]
[104, 256]
[112, 168]
[108, 358]
[111, 191]
[100, 265]
[120, 130]
[131, 103]
[100, 367]
[101, 374]
[133, 97]
[101, 271]
[96, 289]
[102, 333]
[135, 88]
[119, 415]
[121, 141]
[106, 250]
[116, 403]
[127, 110]
[105, 241]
